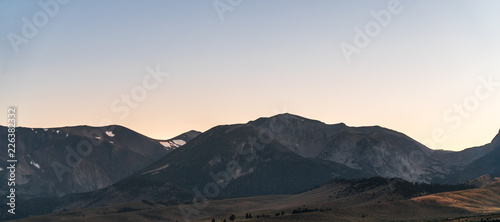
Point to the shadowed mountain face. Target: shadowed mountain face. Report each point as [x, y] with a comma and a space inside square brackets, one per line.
[379, 151]
[283, 154]
[486, 164]
[467, 162]
[374, 150]
[225, 161]
[59, 161]
[279, 155]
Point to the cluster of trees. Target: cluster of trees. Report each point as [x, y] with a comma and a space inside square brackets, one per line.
[305, 210]
[126, 209]
[231, 218]
[399, 186]
[148, 202]
[411, 190]
[249, 215]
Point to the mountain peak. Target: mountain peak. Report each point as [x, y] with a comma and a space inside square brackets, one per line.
[187, 136]
[285, 118]
[290, 116]
[497, 138]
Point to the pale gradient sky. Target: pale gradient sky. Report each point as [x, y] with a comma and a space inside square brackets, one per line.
[264, 58]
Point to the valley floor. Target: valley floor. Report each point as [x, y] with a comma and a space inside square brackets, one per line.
[331, 202]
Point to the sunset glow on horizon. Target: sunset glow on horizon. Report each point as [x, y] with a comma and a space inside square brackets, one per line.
[431, 70]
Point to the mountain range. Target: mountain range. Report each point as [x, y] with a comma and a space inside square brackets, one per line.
[279, 155]
[59, 161]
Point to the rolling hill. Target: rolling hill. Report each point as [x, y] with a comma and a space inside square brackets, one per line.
[347, 200]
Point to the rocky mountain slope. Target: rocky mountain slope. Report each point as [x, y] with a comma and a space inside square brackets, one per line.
[59, 161]
[283, 154]
[374, 150]
[486, 164]
[221, 163]
[380, 151]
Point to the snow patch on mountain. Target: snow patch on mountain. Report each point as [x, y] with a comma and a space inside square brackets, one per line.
[179, 142]
[110, 133]
[166, 144]
[172, 144]
[35, 164]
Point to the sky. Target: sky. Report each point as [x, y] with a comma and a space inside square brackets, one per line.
[429, 69]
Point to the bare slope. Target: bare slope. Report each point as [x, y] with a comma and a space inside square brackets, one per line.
[480, 200]
[375, 198]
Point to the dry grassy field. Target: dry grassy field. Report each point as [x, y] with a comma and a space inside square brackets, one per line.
[332, 202]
